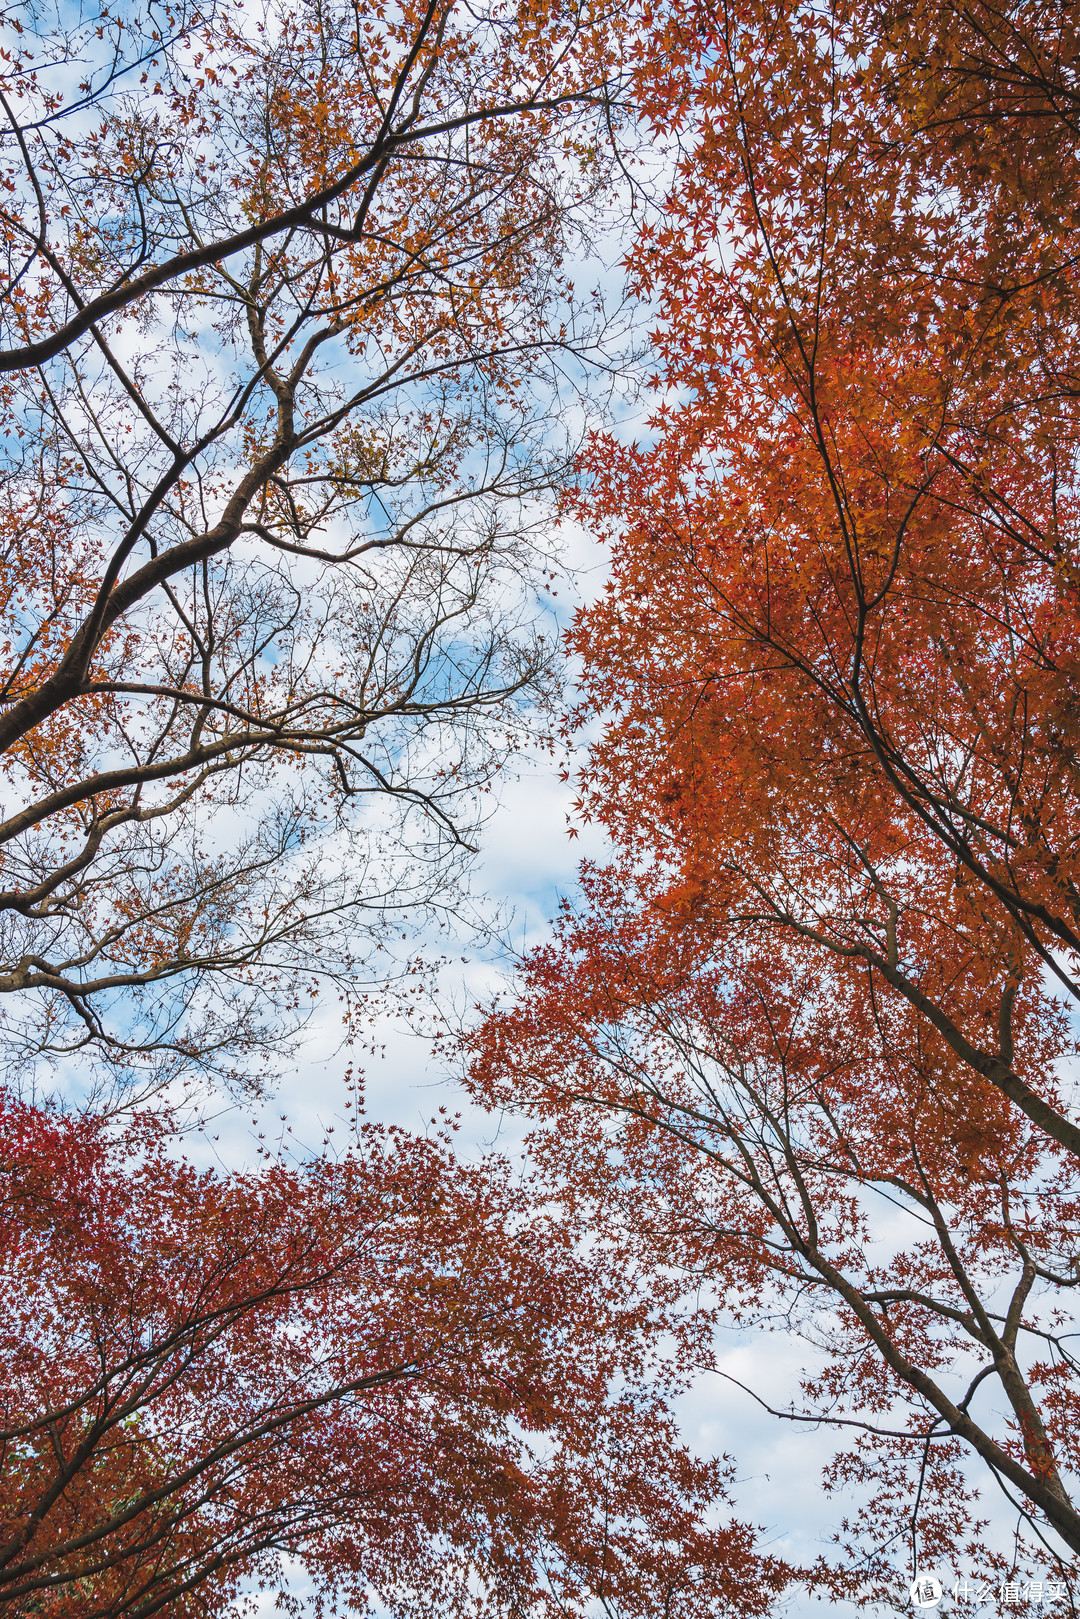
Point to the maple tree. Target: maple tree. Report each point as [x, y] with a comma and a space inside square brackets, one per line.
[806, 1032]
[285, 337]
[380, 1377]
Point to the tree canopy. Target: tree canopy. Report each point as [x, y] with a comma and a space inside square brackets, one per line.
[286, 332]
[383, 1377]
[822, 998]
[291, 367]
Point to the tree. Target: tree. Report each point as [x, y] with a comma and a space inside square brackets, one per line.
[285, 337]
[833, 965]
[386, 1368]
[806, 1157]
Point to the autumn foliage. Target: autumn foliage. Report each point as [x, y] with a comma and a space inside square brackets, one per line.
[806, 1032]
[384, 1376]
